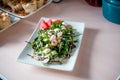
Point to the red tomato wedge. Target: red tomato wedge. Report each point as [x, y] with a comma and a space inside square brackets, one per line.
[58, 20]
[49, 22]
[43, 25]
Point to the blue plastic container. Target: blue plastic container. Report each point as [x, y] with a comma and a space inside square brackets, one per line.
[111, 10]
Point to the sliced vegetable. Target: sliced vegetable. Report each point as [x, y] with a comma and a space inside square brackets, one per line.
[58, 20]
[43, 25]
[49, 22]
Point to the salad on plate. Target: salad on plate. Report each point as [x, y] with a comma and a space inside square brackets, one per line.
[55, 42]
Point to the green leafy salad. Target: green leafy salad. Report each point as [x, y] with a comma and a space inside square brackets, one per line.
[55, 42]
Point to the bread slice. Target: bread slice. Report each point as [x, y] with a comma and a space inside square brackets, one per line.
[4, 20]
[30, 6]
[40, 3]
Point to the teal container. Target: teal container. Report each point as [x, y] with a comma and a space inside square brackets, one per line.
[111, 10]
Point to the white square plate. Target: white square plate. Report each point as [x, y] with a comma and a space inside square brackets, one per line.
[2, 77]
[118, 78]
[66, 66]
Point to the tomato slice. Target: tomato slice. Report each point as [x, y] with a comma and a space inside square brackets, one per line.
[58, 20]
[49, 22]
[43, 25]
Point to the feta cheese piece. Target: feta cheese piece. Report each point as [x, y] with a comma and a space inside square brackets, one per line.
[63, 27]
[45, 59]
[64, 23]
[47, 50]
[57, 29]
[53, 37]
[54, 52]
[59, 34]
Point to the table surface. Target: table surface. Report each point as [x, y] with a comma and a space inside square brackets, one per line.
[99, 55]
